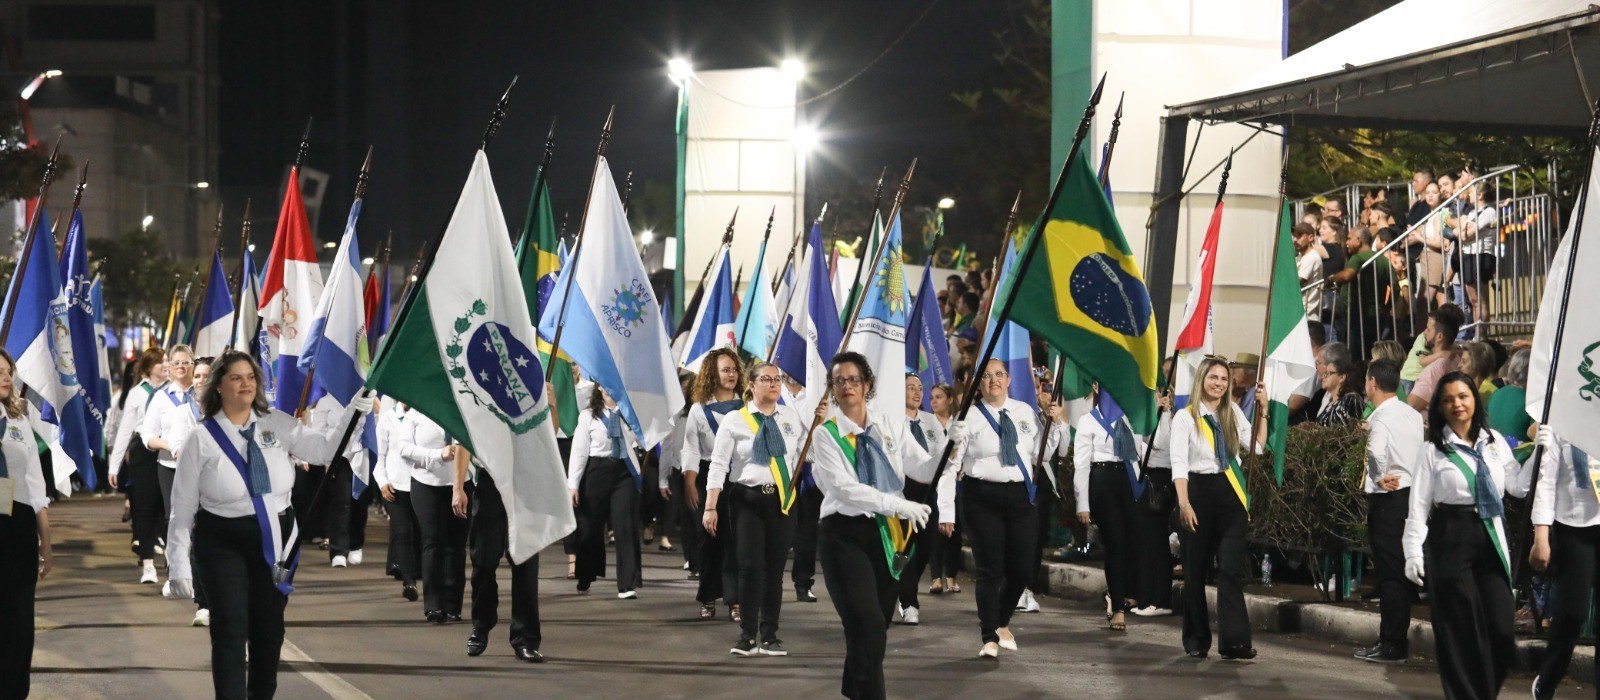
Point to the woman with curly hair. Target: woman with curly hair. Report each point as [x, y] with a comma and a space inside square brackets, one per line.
[718, 389]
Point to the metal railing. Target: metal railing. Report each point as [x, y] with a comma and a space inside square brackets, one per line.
[1486, 248]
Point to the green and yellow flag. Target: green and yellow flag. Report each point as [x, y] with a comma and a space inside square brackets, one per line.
[537, 264]
[1086, 297]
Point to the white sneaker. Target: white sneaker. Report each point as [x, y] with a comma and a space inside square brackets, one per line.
[202, 618]
[627, 595]
[355, 557]
[910, 616]
[686, 566]
[149, 574]
[1027, 603]
[1152, 611]
[339, 562]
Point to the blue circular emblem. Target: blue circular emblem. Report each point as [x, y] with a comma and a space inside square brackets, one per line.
[1110, 296]
[505, 369]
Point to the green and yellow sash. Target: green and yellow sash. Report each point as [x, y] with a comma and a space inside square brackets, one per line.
[895, 535]
[1235, 470]
[780, 464]
[1495, 527]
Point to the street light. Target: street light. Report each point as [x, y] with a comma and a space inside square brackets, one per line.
[201, 185]
[646, 237]
[806, 138]
[794, 68]
[33, 85]
[947, 203]
[680, 70]
[144, 224]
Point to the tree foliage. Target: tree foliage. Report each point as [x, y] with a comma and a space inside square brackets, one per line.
[138, 277]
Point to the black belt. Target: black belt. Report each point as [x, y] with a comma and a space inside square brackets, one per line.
[765, 489]
[1456, 509]
[1108, 465]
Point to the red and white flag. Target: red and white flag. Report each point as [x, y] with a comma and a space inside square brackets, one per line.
[1195, 335]
[289, 297]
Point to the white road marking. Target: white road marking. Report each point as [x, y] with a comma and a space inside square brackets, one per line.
[336, 687]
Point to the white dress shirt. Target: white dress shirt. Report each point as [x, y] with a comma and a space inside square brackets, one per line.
[420, 442]
[1394, 438]
[842, 491]
[592, 439]
[207, 480]
[699, 437]
[23, 467]
[1560, 498]
[167, 418]
[133, 410]
[672, 449]
[1438, 480]
[730, 455]
[933, 432]
[1192, 453]
[393, 470]
[1090, 445]
[980, 457]
[1160, 446]
[329, 414]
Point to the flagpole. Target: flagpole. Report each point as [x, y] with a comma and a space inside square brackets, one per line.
[238, 303]
[798, 236]
[363, 177]
[854, 299]
[700, 287]
[1022, 264]
[172, 309]
[1266, 324]
[844, 340]
[538, 190]
[583, 225]
[27, 241]
[205, 285]
[760, 260]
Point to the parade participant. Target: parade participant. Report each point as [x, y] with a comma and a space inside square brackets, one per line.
[25, 554]
[861, 459]
[163, 417]
[752, 464]
[1455, 540]
[993, 460]
[234, 476]
[1153, 578]
[393, 476]
[491, 542]
[1208, 440]
[1566, 531]
[807, 514]
[718, 390]
[1109, 489]
[134, 466]
[185, 423]
[339, 513]
[671, 485]
[1394, 436]
[944, 562]
[431, 454]
[926, 431]
[605, 481]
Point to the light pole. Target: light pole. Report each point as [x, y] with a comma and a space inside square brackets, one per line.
[681, 72]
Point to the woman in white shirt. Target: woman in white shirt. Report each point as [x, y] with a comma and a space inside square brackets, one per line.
[1455, 541]
[432, 456]
[753, 465]
[393, 476]
[861, 459]
[1209, 437]
[1566, 512]
[164, 419]
[1110, 490]
[923, 429]
[1153, 578]
[993, 459]
[944, 561]
[24, 532]
[134, 466]
[605, 481]
[718, 389]
[234, 477]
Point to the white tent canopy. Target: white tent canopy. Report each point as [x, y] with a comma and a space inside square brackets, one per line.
[1522, 66]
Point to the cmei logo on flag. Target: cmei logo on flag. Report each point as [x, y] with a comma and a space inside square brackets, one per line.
[500, 373]
[628, 308]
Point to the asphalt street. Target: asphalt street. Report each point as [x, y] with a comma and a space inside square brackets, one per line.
[351, 636]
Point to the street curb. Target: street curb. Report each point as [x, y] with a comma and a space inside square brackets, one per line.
[1358, 628]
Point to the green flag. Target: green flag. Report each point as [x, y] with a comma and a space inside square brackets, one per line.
[1290, 362]
[537, 264]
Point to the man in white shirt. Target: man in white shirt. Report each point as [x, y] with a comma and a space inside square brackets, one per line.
[1394, 438]
[1308, 267]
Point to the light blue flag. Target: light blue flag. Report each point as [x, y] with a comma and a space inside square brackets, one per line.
[1015, 347]
[880, 330]
[757, 320]
[337, 343]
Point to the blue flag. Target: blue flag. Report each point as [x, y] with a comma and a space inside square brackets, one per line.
[215, 320]
[758, 320]
[1015, 347]
[810, 334]
[927, 351]
[337, 343]
[713, 326]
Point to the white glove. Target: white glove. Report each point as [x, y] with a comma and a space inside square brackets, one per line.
[958, 433]
[362, 403]
[178, 588]
[1545, 438]
[917, 513]
[1415, 570]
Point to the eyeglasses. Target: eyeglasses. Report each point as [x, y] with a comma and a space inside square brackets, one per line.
[848, 382]
[994, 375]
[768, 379]
[180, 364]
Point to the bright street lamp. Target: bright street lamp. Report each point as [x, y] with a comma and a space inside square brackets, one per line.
[201, 185]
[144, 224]
[806, 138]
[794, 68]
[33, 85]
[947, 203]
[680, 70]
[646, 237]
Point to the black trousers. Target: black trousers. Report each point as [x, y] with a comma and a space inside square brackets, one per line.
[360, 508]
[491, 542]
[923, 542]
[719, 557]
[763, 539]
[246, 608]
[1045, 503]
[164, 477]
[1219, 536]
[405, 545]
[1574, 566]
[1471, 604]
[336, 518]
[1004, 528]
[689, 529]
[569, 544]
[1386, 523]
[609, 496]
[651, 505]
[312, 509]
[1113, 510]
[19, 580]
[944, 561]
[144, 497]
[444, 554]
[806, 511]
[1153, 582]
[858, 580]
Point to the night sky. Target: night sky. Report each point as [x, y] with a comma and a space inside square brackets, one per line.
[417, 80]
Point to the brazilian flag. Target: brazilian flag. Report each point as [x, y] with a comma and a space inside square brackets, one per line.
[1081, 291]
[537, 263]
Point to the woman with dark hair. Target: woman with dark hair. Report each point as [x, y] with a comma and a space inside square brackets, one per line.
[928, 433]
[119, 395]
[431, 455]
[25, 552]
[862, 459]
[1342, 401]
[944, 562]
[164, 418]
[1109, 488]
[718, 390]
[605, 481]
[134, 466]
[753, 464]
[234, 475]
[1455, 540]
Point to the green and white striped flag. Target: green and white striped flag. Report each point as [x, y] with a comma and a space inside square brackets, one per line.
[1290, 361]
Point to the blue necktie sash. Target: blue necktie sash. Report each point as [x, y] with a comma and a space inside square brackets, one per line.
[619, 448]
[916, 433]
[274, 549]
[715, 411]
[1485, 495]
[5, 470]
[1127, 450]
[1009, 454]
[1580, 469]
[865, 452]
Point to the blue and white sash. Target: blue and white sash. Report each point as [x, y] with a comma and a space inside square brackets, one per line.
[274, 547]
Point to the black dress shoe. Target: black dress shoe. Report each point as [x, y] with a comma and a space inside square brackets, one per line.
[1195, 654]
[1238, 654]
[436, 616]
[477, 642]
[1387, 654]
[452, 617]
[409, 593]
[1369, 651]
[804, 594]
[530, 655]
